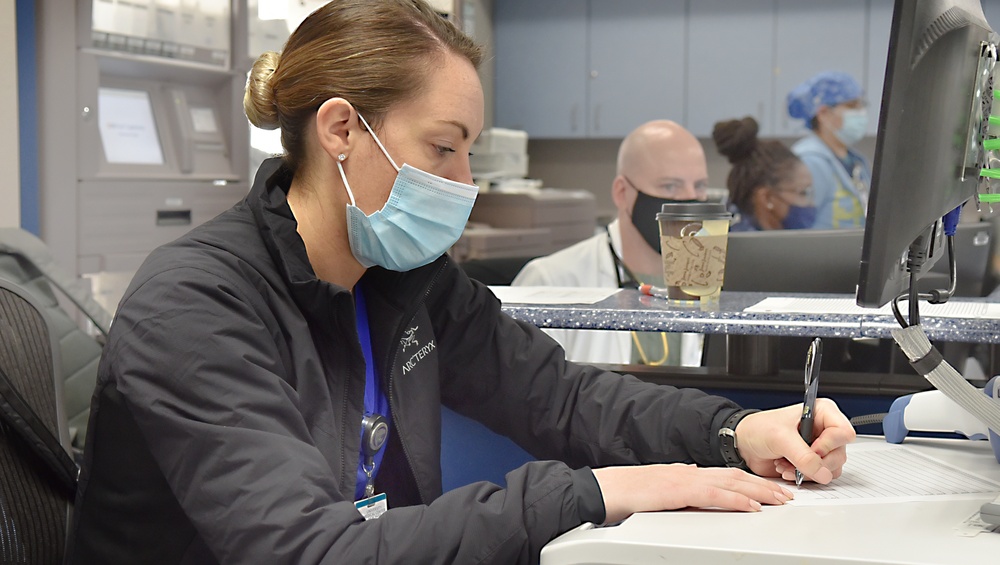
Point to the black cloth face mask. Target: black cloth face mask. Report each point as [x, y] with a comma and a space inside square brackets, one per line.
[644, 213]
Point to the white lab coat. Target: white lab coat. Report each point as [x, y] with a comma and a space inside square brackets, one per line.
[589, 264]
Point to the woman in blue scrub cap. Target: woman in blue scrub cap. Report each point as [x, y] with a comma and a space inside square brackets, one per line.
[832, 106]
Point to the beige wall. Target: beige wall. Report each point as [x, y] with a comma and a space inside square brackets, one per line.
[10, 189]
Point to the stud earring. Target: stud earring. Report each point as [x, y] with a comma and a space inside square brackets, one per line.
[770, 205]
[341, 157]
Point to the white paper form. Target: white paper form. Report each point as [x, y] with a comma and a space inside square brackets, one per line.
[847, 306]
[551, 294]
[876, 473]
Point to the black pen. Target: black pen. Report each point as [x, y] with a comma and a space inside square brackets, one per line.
[813, 357]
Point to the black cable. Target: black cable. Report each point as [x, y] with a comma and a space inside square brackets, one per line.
[937, 296]
[952, 268]
[630, 281]
[895, 312]
[914, 305]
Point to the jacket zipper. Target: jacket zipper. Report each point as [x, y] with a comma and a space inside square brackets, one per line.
[344, 473]
[392, 363]
[343, 426]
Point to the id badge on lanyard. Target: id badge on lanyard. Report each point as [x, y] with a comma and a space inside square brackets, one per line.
[374, 424]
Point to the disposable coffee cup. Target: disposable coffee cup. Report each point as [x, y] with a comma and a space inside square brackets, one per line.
[693, 240]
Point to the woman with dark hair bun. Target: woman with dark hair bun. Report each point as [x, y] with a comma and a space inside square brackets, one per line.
[769, 187]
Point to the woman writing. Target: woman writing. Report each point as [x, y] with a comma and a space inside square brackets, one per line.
[272, 384]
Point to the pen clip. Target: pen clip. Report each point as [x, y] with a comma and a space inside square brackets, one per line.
[813, 357]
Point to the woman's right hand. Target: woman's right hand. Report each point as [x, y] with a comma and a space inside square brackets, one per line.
[646, 488]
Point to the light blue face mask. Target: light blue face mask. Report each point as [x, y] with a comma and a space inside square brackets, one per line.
[423, 217]
[854, 126]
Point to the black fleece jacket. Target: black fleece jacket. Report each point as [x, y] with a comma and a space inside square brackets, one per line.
[225, 426]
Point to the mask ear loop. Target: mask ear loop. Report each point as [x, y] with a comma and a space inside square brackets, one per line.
[343, 177]
[380, 146]
[637, 193]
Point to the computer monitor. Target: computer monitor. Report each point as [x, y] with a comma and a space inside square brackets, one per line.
[827, 261]
[936, 100]
[777, 261]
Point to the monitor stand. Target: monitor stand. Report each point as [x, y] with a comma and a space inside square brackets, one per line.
[751, 355]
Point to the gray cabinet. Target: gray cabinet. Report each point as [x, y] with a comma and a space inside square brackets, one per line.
[541, 67]
[730, 52]
[637, 52]
[598, 68]
[879, 25]
[813, 36]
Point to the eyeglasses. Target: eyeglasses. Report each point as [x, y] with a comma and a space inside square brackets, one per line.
[806, 193]
[670, 189]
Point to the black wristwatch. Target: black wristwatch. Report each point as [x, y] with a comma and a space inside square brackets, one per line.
[727, 440]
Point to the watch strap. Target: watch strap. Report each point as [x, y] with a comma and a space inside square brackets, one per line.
[728, 442]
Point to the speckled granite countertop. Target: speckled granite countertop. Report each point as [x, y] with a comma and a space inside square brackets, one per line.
[631, 310]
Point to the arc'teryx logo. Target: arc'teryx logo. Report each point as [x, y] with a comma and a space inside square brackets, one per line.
[410, 338]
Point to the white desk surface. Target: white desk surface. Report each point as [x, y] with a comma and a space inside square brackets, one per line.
[912, 533]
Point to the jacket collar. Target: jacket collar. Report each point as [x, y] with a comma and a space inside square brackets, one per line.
[269, 205]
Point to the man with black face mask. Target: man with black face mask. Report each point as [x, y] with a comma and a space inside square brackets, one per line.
[658, 162]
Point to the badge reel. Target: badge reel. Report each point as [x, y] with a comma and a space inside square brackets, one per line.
[374, 431]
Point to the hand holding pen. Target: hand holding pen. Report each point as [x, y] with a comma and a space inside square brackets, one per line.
[798, 441]
[813, 358]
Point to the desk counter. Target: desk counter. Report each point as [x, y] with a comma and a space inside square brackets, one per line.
[631, 310]
[910, 533]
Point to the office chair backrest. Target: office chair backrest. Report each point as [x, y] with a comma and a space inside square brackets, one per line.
[37, 477]
[26, 261]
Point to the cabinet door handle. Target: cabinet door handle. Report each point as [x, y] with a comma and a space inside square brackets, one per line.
[572, 117]
[597, 118]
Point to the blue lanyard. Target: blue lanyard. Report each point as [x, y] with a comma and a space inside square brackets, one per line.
[375, 400]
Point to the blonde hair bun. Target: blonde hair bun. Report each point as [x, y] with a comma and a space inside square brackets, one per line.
[258, 100]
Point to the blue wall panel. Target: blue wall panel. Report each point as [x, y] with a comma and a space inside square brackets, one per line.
[28, 114]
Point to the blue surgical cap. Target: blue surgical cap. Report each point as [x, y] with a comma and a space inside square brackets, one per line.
[828, 88]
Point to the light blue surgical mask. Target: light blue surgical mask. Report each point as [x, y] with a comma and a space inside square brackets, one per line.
[854, 126]
[423, 217]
